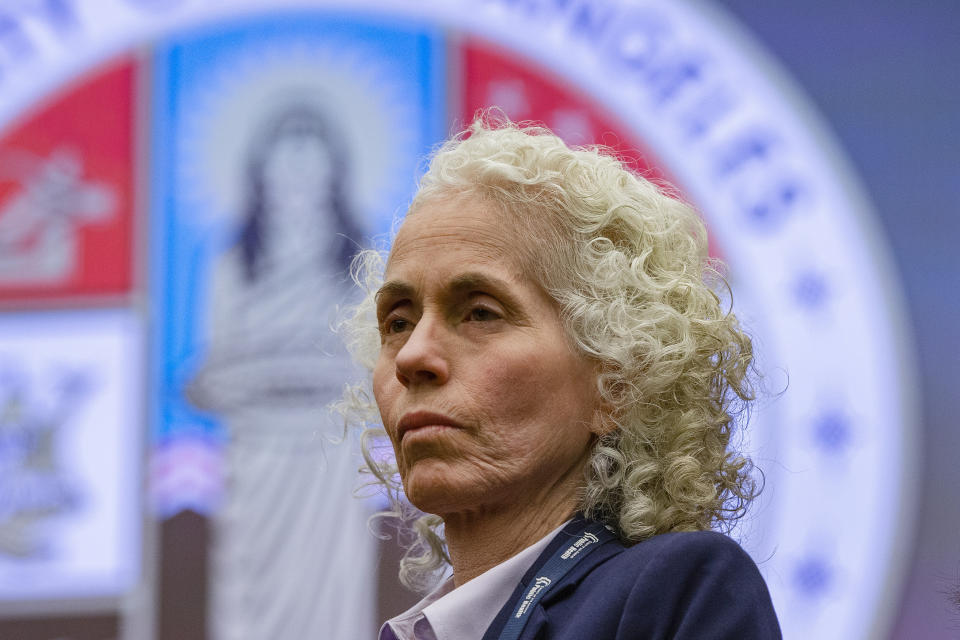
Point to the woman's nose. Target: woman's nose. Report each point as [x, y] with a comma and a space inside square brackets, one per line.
[423, 357]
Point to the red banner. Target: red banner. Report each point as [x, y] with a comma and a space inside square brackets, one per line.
[66, 193]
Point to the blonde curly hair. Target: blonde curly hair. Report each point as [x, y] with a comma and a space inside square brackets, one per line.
[626, 262]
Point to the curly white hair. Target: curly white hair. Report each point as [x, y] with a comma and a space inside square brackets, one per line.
[626, 261]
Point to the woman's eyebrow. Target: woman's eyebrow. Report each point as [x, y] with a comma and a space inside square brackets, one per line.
[474, 281]
[462, 284]
[471, 281]
[394, 289]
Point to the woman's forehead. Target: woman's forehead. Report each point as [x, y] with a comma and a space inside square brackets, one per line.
[461, 226]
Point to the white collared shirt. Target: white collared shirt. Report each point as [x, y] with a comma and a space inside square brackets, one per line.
[464, 613]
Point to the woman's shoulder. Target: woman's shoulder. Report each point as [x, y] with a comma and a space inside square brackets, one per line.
[693, 546]
[675, 585]
[676, 556]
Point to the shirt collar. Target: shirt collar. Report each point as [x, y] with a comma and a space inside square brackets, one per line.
[465, 613]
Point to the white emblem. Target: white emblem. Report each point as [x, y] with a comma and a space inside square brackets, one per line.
[39, 222]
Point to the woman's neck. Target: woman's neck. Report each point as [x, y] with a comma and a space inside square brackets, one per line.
[480, 540]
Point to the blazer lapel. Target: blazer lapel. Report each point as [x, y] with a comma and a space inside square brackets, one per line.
[568, 534]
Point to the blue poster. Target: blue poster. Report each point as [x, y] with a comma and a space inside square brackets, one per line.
[297, 136]
[280, 147]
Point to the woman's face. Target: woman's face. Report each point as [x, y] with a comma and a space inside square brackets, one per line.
[485, 401]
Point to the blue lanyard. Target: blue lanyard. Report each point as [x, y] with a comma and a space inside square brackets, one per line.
[591, 537]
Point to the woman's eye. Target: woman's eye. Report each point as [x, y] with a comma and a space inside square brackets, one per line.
[481, 314]
[395, 325]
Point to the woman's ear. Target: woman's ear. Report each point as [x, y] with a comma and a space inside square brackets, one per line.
[603, 422]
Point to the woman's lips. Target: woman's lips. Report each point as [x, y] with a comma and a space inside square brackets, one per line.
[425, 421]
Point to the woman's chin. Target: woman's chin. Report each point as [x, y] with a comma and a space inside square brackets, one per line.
[432, 487]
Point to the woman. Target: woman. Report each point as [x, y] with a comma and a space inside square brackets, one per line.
[560, 385]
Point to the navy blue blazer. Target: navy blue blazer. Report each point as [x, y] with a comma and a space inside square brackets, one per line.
[688, 585]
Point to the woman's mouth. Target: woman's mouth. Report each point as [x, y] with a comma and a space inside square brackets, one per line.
[426, 422]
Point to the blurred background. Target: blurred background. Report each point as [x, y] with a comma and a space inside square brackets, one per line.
[183, 183]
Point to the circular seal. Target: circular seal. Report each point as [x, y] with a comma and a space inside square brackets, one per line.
[812, 277]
